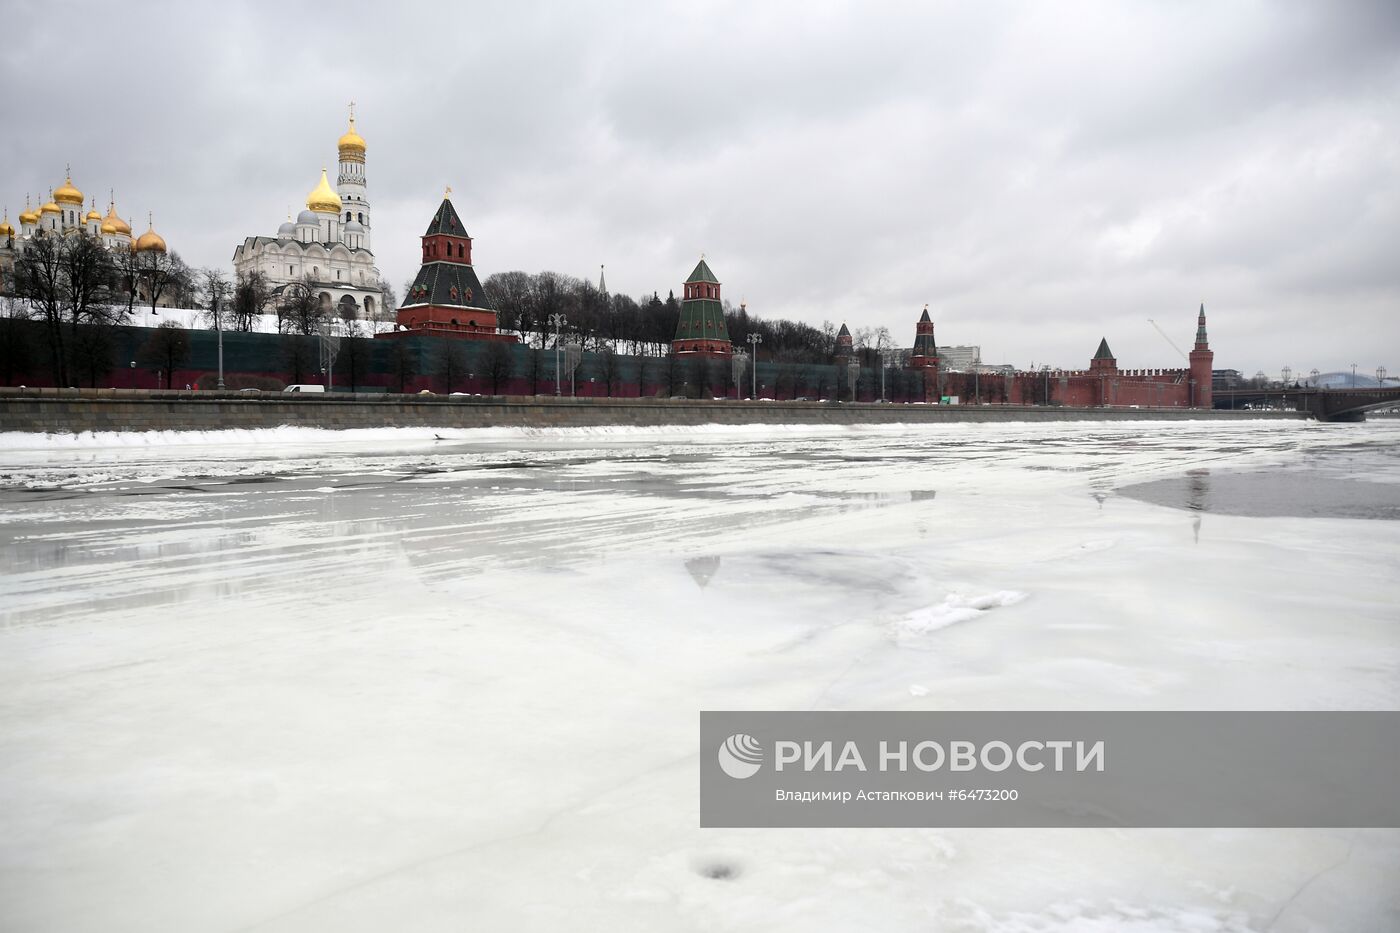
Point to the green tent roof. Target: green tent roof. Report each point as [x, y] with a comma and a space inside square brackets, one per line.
[702, 273]
[1104, 353]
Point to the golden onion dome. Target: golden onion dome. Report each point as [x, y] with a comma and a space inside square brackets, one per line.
[323, 198]
[118, 225]
[351, 141]
[28, 215]
[5, 228]
[150, 241]
[50, 207]
[67, 194]
[92, 214]
[109, 228]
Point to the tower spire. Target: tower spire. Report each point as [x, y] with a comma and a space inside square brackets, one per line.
[1201, 342]
[602, 279]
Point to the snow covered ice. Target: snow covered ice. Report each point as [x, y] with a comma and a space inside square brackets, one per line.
[354, 681]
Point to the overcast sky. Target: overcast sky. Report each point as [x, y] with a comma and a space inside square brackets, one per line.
[1041, 174]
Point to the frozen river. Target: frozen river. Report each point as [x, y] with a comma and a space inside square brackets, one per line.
[294, 681]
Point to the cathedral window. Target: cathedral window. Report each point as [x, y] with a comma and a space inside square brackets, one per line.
[459, 250]
[362, 218]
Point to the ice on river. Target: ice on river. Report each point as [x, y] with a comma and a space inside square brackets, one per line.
[361, 681]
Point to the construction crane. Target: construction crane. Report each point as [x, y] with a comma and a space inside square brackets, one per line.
[1169, 340]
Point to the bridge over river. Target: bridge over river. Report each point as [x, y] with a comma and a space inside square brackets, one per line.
[1323, 404]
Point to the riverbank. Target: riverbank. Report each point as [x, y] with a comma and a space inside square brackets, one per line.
[75, 411]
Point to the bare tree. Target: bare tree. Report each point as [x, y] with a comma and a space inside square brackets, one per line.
[610, 369]
[216, 294]
[500, 364]
[449, 361]
[300, 309]
[168, 347]
[251, 295]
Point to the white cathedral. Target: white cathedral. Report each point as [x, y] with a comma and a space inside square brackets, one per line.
[328, 247]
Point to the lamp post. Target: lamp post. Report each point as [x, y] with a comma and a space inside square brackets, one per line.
[754, 341]
[219, 324]
[1287, 374]
[741, 359]
[1353, 375]
[1380, 377]
[558, 320]
[1314, 374]
[887, 359]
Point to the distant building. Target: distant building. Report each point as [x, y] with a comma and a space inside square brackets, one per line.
[63, 215]
[327, 248]
[1221, 379]
[960, 359]
[961, 373]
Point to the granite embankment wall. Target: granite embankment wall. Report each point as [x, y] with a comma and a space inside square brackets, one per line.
[78, 410]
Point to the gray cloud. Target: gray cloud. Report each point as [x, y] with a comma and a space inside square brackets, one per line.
[1042, 174]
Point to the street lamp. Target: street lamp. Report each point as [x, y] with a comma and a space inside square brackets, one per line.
[1380, 377]
[754, 341]
[1353, 375]
[558, 320]
[219, 324]
[1287, 374]
[888, 356]
[1313, 375]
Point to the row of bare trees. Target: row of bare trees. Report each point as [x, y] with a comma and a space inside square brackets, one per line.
[300, 309]
[645, 326]
[78, 291]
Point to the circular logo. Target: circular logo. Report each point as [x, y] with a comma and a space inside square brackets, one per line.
[741, 756]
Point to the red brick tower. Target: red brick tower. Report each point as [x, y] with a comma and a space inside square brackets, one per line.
[925, 356]
[845, 347]
[446, 298]
[1104, 361]
[1202, 361]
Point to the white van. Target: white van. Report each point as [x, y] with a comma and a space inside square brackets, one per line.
[300, 387]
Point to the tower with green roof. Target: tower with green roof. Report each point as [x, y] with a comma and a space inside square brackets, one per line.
[701, 330]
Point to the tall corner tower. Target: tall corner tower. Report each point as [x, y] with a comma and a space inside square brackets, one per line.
[701, 329]
[1202, 365]
[350, 185]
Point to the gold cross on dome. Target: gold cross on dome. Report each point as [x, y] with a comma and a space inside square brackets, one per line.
[352, 111]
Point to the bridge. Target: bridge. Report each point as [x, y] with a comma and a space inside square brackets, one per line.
[1323, 404]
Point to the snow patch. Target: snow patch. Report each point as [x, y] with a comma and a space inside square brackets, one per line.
[955, 608]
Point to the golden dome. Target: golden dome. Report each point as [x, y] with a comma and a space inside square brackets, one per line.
[5, 228]
[109, 228]
[67, 194]
[92, 214]
[352, 141]
[118, 225]
[29, 215]
[323, 199]
[50, 208]
[150, 241]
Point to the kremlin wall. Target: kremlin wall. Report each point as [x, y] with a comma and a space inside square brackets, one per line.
[446, 336]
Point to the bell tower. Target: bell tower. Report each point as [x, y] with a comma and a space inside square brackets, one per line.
[350, 185]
